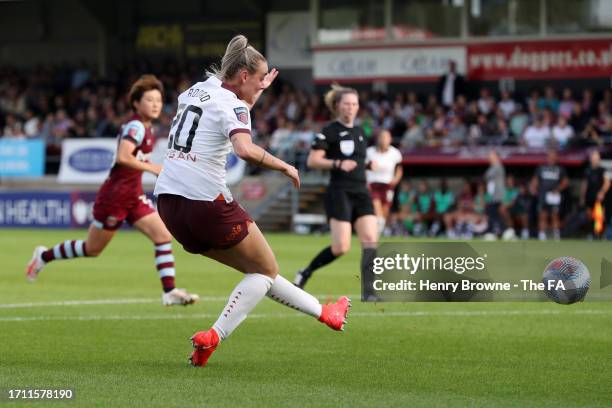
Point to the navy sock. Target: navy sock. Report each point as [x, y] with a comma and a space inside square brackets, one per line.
[323, 258]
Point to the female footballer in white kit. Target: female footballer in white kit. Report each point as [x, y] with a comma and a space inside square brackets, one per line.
[197, 206]
[386, 174]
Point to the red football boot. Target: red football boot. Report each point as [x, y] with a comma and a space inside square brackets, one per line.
[204, 343]
[334, 314]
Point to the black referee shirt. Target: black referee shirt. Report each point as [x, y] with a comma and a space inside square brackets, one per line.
[344, 143]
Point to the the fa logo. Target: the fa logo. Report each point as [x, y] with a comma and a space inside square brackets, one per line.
[555, 285]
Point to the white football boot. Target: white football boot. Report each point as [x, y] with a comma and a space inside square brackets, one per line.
[179, 297]
[36, 263]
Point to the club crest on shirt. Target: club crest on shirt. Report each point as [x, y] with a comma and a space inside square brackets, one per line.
[132, 132]
[242, 114]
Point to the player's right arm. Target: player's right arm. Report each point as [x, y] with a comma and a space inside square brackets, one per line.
[251, 153]
[317, 159]
[125, 157]
[132, 135]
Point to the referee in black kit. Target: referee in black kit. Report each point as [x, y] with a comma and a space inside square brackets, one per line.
[341, 148]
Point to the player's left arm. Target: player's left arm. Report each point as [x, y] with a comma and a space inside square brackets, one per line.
[267, 81]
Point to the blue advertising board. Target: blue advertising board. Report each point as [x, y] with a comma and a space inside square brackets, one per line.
[22, 158]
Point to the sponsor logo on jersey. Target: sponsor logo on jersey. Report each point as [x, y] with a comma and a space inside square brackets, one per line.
[236, 230]
[347, 147]
[143, 157]
[242, 114]
[111, 221]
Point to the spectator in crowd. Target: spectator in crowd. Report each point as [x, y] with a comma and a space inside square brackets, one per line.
[424, 208]
[566, 107]
[280, 141]
[579, 119]
[486, 103]
[551, 180]
[507, 104]
[465, 221]
[536, 135]
[562, 133]
[519, 122]
[590, 136]
[403, 222]
[444, 199]
[551, 101]
[32, 124]
[450, 85]
[413, 136]
[457, 134]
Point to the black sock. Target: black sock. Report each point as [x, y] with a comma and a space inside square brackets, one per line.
[367, 275]
[323, 258]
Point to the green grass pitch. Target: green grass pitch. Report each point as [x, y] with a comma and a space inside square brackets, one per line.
[116, 346]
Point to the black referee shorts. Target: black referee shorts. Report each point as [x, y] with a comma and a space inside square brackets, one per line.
[347, 205]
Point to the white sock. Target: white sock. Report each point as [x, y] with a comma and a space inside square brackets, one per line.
[285, 293]
[246, 295]
[381, 224]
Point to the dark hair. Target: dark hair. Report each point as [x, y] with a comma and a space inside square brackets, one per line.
[145, 83]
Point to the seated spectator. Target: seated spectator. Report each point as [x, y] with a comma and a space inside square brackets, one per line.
[550, 99]
[438, 128]
[12, 127]
[280, 141]
[562, 133]
[457, 132]
[424, 208]
[518, 122]
[507, 104]
[590, 136]
[413, 136]
[444, 199]
[32, 124]
[566, 107]
[536, 135]
[486, 103]
[579, 119]
[465, 221]
[402, 223]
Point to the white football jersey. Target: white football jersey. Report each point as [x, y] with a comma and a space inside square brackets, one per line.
[385, 164]
[208, 115]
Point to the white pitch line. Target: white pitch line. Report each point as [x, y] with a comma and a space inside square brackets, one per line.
[458, 313]
[121, 302]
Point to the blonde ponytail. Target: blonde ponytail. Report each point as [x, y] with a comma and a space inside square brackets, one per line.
[238, 55]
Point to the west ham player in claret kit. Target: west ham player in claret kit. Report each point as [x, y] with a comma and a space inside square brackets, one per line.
[198, 208]
[121, 198]
[385, 174]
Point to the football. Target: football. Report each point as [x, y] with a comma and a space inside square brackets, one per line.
[566, 280]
